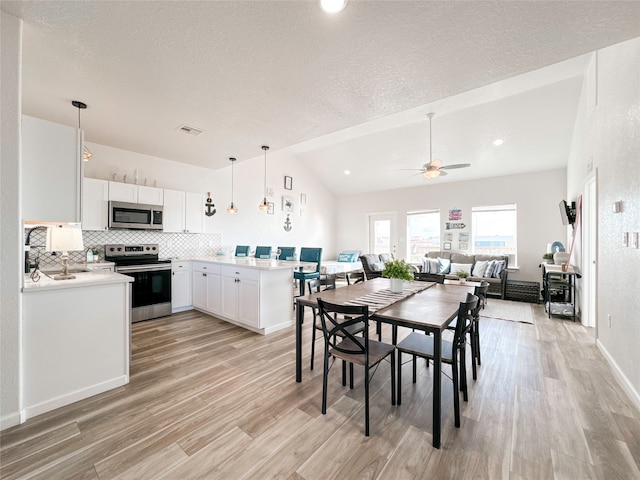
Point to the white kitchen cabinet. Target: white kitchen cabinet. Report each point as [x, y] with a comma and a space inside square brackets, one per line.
[95, 204]
[150, 195]
[206, 287]
[51, 171]
[173, 211]
[194, 213]
[241, 295]
[183, 212]
[123, 192]
[181, 297]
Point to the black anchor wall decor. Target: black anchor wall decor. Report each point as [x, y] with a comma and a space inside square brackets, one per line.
[209, 207]
[287, 224]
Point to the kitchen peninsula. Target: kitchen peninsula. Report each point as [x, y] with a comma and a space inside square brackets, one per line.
[76, 338]
[253, 293]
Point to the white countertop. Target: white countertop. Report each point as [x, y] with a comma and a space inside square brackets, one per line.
[83, 279]
[252, 262]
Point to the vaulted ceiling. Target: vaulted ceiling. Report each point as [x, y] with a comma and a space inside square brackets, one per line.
[347, 91]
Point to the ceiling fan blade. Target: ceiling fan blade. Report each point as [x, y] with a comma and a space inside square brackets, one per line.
[457, 165]
[442, 173]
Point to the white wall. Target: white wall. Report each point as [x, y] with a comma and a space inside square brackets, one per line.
[536, 195]
[249, 226]
[609, 134]
[10, 221]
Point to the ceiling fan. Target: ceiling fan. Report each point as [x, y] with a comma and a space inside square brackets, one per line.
[434, 168]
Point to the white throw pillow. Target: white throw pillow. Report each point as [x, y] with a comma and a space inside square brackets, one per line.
[426, 267]
[456, 267]
[443, 265]
[479, 268]
[491, 264]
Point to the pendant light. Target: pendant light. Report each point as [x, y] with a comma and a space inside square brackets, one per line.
[86, 153]
[264, 206]
[232, 208]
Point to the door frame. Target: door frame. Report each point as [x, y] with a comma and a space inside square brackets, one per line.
[393, 217]
[590, 252]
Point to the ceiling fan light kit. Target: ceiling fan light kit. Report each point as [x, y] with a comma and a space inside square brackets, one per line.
[434, 168]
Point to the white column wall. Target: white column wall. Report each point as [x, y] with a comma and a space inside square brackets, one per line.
[10, 221]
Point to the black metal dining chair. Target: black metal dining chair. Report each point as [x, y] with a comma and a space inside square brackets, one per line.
[340, 342]
[452, 353]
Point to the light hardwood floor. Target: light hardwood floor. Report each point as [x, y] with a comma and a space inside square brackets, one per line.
[208, 400]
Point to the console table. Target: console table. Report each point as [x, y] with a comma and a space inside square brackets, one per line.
[560, 290]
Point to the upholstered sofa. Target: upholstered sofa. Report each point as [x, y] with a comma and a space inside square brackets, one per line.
[497, 284]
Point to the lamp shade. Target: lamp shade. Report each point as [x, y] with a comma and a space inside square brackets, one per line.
[64, 239]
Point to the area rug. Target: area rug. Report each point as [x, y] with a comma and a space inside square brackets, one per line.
[507, 310]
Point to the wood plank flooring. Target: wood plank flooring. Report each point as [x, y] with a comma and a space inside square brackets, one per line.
[208, 400]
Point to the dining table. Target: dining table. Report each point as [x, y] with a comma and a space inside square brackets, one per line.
[425, 306]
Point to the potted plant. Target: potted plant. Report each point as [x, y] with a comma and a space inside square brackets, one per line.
[548, 257]
[462, 275]
[397, 271]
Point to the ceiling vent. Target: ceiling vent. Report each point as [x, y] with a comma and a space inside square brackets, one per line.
[190, 130]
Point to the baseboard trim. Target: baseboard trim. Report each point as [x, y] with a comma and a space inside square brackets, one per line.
[8, 421]
[620, 376]
[71, 397]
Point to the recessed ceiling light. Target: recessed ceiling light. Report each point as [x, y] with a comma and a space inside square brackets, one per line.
[333, 6]
[498, 141]
[347, 172]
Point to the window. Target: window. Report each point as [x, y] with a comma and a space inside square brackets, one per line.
[423, 234]
[494, 230]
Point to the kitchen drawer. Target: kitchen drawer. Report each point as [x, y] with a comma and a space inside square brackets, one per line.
[206, 267]
[238, 272]
[180, 265]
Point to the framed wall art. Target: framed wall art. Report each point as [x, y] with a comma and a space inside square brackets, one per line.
[270, 211]
[288, 183]
[287, 204]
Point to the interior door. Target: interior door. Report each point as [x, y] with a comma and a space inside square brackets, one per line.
[383, 233]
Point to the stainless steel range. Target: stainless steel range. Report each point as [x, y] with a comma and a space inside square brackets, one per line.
[151, 294]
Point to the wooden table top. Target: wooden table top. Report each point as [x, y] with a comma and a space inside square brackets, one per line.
[433, 308]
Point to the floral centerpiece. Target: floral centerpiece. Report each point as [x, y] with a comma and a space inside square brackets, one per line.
[397, 271]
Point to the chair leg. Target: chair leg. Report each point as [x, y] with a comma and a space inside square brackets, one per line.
[344, 373]
[463, 374]
[366, 400]
[476, 330]
[399, 379]
[351, 376]
[325, 376]
[413, 365]
[456, 394]
[473, 352]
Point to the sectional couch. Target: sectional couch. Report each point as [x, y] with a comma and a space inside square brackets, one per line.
[474, 264]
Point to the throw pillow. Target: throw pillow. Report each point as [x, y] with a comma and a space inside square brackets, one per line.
[479, 268]
[433, 265]
[491, 264]
[377, 267]
[444, 265]
[456, 267]
[499, 268]
[348, 256]
[386, 257]
[426, 266]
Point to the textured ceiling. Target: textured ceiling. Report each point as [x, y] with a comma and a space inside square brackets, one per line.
[282, 73]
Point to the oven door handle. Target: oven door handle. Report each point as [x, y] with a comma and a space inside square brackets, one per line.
[143, 268]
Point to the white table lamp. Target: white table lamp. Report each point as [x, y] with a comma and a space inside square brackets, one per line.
[64, 239]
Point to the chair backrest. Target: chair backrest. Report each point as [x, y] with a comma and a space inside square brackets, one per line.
[429, 277]
[287, 253]
[242, 250]
[328, 282]
[466, 312]
[311, 255]
[263, 252]
[341, 321]
[481, 290]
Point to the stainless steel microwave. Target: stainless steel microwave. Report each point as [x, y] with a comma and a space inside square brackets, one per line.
[135, 216]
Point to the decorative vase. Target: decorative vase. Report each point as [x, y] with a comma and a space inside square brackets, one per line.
[395, 285]
[462, 279]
